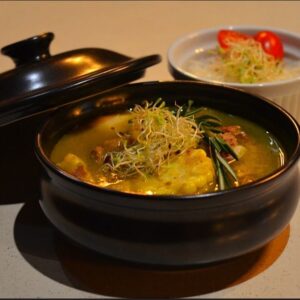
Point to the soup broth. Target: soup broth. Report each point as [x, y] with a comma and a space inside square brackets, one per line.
[98, 152]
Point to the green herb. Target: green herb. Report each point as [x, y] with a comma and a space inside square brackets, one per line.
[208, 126]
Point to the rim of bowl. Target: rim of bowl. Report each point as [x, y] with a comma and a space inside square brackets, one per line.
[193, 34]
[157, 197]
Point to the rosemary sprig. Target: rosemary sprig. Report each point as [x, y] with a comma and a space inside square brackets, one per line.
[226, 175]
[208, 126]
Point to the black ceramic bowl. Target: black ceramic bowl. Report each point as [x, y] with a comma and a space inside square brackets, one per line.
[173, 230]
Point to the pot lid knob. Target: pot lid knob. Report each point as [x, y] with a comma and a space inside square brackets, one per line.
[42, 82]
[29, 50]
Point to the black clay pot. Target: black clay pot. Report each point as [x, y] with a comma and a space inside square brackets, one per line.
[172, 230]
[41, 83]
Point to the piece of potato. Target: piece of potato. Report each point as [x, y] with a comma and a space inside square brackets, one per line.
[75, 166]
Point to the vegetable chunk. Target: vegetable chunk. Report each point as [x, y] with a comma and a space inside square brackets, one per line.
[75, 166]
[190, 173]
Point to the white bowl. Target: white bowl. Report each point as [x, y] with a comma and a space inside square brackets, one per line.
[285, 93]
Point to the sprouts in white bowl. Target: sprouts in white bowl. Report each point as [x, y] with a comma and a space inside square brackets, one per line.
[195, 56]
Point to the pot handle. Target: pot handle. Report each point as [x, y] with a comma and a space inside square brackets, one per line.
[30, 50]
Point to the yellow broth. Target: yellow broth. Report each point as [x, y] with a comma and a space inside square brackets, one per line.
[191, 174]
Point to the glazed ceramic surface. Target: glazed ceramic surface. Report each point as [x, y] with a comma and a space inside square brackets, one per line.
[172, 230]
[41, 83]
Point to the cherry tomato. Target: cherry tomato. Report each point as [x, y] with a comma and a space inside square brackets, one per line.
[271, 43]
[230, 35]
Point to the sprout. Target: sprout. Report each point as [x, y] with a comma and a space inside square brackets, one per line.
[245, 61]
[156, 135]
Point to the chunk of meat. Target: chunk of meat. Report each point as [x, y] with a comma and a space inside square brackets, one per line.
[232, 133]
[98, 153]
[234, 129]
[229, 138]
[112, 144]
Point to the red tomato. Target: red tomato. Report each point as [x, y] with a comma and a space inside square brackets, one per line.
[271, 43]
[230, 35]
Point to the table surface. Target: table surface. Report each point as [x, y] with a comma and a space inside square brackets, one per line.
[35, 261]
